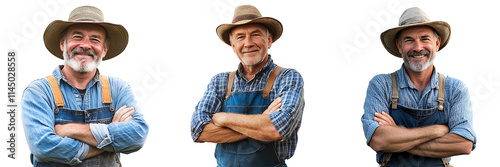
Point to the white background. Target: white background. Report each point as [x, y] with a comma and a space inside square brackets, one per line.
[173, 52]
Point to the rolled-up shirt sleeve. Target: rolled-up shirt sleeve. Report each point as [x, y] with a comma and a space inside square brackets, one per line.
[38, 122]
[459, 109]
[210, 103]
[124, 137]
[377, 100]
[291, 90]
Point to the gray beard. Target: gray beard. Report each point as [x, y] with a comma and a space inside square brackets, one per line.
[71, 62]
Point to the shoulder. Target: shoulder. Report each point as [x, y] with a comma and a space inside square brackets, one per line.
[381, 80]
[455, 86]
[291, 73]
[116, 82]
[39, 84]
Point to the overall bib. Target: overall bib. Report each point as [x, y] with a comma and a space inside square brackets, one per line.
[412, 118]
[101, 115]
[248, 152]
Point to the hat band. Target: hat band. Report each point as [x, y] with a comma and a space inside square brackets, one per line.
[244, 17]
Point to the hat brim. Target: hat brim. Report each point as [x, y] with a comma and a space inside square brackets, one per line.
[117, 34]
[388, 37]
[275, 28]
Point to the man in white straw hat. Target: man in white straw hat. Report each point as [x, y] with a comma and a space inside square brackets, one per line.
[236, 110]
[417, 116]
[76, 116]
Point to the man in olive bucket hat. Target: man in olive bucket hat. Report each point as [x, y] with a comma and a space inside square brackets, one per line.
[77, 116]
[417, 116]
[236, 110]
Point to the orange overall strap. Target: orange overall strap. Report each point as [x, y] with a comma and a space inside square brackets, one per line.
[395, 91]
[56, 91]
[230, 81]
[270, 82]
[440, 99]
[106, 93]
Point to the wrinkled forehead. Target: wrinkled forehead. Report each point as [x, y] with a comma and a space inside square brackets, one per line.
[248, 28]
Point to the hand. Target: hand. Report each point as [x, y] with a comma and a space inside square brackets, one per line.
[441, 129]
[384, 119]
[123, 114]
[63, 130]
[274, 106]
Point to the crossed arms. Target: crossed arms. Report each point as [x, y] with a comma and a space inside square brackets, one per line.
[231, 127]
[430, 141]
[83, 133]
[68, 143]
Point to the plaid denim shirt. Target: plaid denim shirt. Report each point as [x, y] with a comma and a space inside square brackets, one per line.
[287, 120]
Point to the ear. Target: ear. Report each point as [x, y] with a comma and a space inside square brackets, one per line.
[61, 44]
[438, 43]
[105, 48]
[398, 44]
[270, 41]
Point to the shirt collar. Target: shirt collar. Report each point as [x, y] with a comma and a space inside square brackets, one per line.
[263, 71]
[58, 75]
[405, 82]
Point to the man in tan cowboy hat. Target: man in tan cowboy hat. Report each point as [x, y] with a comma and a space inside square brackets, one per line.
[77, 116]
[417, 116]
[236, 110]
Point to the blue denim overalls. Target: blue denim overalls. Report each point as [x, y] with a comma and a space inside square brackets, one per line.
[101, 115]
[412, 118]
[248, 152]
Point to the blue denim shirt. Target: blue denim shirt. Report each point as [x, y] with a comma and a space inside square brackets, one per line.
[38, 120]
[457, 104]
[287, 120]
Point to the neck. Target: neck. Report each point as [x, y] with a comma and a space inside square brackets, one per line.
[79, 80]
[420, 79]
[250, 70]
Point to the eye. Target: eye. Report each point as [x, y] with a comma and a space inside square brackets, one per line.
[77, 37]
[97, 40]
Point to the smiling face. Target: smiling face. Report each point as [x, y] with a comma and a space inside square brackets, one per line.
[251, 42]
[418, 47]
[83, 46]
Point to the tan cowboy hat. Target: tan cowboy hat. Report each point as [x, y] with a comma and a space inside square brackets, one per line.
[414, 17]
[116, 34]
[248, 14]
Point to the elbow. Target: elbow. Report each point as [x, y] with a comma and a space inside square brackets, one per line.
[271, 134]
[467, 148]
[376, 144]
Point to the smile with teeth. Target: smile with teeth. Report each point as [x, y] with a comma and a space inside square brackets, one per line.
[419, 56]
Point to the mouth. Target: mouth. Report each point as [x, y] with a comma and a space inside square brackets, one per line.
[418, 56]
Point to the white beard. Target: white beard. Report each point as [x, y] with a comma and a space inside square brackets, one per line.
[88, 67]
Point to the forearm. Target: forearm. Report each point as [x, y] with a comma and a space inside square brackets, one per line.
[400, 139]
[77, 131]
[257, 126]
[448, 145]
[216, 134]
[93, 152]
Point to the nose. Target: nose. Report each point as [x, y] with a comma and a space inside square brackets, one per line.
[249, 42]
[85, 44]
[418, 46]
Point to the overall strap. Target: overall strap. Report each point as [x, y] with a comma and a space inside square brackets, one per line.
[106, 93]
[395, 91]
[230, 81]
[56, 91]
[386, 160]
[267, 88]
[440, 99]
[446, 163]
[270, 82]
